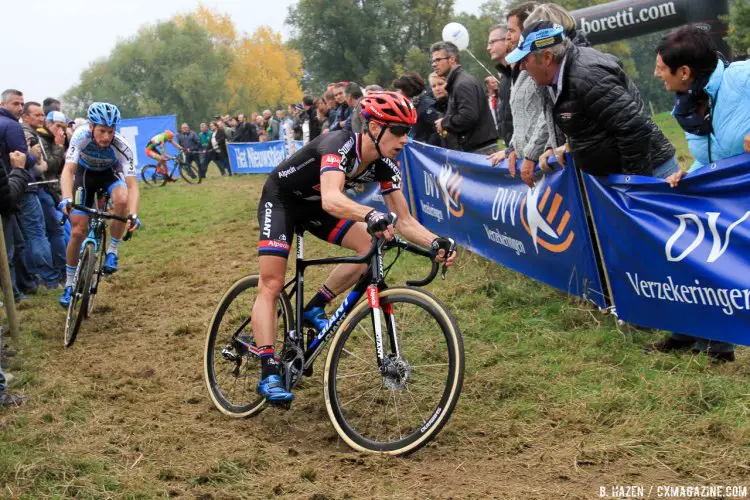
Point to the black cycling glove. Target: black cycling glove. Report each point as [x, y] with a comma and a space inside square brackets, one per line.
[440, 243]
[377, 221]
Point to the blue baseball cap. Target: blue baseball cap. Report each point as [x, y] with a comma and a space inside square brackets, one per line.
[56, 116]
[540, 35]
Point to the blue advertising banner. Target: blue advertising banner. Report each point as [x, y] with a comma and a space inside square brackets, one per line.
[542, 233]
[255, 157]
[138, 131]
[677, 259]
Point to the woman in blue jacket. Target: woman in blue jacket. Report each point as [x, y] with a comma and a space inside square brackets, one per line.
[712, 98]
[712, 105]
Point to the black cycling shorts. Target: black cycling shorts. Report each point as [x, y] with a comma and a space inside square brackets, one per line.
[88, 182]
[278, 215]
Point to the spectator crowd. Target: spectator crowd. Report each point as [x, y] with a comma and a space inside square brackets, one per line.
[552, 93]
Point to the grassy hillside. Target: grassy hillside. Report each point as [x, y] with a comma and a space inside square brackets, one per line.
[558, 399]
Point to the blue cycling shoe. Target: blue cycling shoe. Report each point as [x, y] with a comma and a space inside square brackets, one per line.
[110, 263]
[316, 317]
[273, 389]
[66, 297]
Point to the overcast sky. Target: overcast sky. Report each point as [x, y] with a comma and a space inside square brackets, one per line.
[47, 43]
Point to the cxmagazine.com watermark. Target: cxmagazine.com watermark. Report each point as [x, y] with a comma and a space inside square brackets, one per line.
[673, 491]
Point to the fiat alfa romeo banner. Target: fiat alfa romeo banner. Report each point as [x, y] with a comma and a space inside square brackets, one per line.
[540, 232]
[679, 259]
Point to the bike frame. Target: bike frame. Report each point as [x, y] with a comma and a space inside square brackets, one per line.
[371, 283]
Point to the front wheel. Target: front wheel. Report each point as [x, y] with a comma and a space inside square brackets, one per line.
[398, 408]
[152, 176]
[78, 307]
[231, 370]
[189, 172]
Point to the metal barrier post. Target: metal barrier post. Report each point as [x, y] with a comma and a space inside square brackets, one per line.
[10, 304]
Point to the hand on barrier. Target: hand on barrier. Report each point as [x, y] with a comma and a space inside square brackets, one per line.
[544, 159]
[496, 158]
[674, 179]
[527, 172]
[512, 160]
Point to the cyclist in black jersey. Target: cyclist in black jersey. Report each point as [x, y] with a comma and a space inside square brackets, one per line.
[307, 189]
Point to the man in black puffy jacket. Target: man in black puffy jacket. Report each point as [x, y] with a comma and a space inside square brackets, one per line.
[469, 116]
[596, 105]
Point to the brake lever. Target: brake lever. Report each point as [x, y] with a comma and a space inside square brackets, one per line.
[445, 270]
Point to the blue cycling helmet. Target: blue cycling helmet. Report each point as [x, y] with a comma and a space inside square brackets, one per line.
[104, 113]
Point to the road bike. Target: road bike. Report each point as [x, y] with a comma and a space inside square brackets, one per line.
[189, 171]
[392, 376]
[90, 269]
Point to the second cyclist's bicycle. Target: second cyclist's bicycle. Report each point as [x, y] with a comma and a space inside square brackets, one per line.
[152, 175]
[394, 371]
[89, 271]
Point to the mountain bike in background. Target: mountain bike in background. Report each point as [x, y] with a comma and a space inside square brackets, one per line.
[153, 175]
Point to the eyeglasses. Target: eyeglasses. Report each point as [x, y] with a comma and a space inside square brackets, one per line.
[438, 59]
[494, 41]
[399, 130]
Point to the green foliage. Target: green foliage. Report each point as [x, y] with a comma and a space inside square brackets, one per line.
[644, 58]
[368, 41]
[739, 27]
[167, 68]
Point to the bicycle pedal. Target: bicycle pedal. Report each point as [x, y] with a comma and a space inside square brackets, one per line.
[281, 405]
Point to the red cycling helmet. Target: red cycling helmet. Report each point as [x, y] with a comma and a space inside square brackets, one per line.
[388, 108]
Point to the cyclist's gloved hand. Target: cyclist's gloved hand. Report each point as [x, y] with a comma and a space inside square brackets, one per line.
[64, 205]
[377, 222]
[133, 222]
[448, 245]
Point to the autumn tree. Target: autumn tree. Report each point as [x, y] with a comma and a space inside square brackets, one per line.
[195, 66]
[146, 76]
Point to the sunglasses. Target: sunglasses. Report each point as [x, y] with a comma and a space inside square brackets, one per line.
[399, 130]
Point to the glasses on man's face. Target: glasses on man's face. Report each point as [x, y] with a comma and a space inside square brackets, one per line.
[494, 41]
[399, 130]
[438, 59]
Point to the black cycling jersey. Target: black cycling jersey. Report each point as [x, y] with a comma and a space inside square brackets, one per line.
[340, 150]
[291, 195]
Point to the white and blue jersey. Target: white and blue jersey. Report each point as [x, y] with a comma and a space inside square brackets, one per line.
[117, 157]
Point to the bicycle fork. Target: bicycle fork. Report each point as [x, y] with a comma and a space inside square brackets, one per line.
[373, 298]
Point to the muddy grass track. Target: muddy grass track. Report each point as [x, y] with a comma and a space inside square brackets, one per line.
[124, 413]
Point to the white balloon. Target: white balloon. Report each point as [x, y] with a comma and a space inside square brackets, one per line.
[458, 34]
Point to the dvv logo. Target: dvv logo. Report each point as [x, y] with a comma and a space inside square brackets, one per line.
[546, 220]
[450, 186]
[717, 248]
[446, 186]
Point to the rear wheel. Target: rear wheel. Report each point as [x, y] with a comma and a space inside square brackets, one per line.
[230, 369]
[79, 301]
[152, 176]
[400, 407]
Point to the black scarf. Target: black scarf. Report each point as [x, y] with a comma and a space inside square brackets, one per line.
[687, 106]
